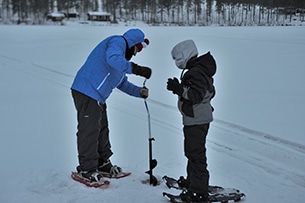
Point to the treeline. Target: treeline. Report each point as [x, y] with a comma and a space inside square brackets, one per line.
[178, 12]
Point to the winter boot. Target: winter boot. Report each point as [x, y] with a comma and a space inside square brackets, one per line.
[183, 183]
[92, 176]
[192, 197]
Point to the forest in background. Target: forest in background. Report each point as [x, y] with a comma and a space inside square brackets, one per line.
[160, 12]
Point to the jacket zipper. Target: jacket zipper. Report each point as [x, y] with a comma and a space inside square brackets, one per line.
[101, 84]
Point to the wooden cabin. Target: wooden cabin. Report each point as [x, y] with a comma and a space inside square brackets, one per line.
[98, 16]
[55, 17]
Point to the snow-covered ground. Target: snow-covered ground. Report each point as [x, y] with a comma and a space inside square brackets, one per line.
[256, 142]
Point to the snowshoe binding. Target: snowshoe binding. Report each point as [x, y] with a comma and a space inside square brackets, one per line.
[216, 193]
[112, 171]
[186, 197]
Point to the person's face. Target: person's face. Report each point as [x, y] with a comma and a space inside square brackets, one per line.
[136, 50]
[178, 57]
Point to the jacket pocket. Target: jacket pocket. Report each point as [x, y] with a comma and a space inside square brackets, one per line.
[187, 109]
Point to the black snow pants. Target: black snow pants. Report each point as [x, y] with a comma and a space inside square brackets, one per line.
[195, 151]
[93, 143]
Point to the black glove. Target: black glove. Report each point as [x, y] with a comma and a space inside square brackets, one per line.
[141, 70]
[144, 92]
[175, 86]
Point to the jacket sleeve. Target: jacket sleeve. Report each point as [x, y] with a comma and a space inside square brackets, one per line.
[129, 88]
[115, 55]
[194, 88]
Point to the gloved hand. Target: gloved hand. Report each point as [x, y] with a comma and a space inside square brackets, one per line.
[141, 70]
[144, 92]
[174, 86]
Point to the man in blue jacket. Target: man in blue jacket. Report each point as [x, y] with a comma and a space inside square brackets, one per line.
[105, 69]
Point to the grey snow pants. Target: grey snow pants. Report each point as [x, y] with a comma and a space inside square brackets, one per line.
[195, 151]
[93, 143]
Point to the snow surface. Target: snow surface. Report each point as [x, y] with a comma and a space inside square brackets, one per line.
[255, 144]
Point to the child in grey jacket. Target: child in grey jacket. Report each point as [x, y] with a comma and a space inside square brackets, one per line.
[195, 93]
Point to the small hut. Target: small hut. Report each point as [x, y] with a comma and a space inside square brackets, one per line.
[99, 15]
[72, 13]
[55, 15]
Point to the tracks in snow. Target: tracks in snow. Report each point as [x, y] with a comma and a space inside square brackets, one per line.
[274, 155]
[264, 136]
[38, 71]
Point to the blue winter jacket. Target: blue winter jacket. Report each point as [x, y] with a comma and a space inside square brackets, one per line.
[106, 68]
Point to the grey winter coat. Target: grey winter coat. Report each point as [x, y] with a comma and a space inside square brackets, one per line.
[198, 88]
